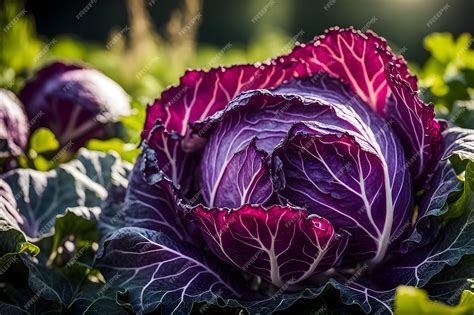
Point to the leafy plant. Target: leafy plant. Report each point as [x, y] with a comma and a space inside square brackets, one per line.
[448, 76]
[54, 216]
[74, 102]
[318, 170]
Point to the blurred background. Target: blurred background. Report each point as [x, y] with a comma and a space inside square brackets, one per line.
[402, 22]
[146, 45]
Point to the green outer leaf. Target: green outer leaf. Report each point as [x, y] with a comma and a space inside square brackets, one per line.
[78, 221]
[81, 222]
[62, 199]
[41, 196]
[11, 309]
[434, 203]
[448, 285]
[459, 146]
[466, 201]
[100, 299]
[462, 113]
[23, 298]
[63, 286]
[409, 300]
[57, 285]
[112, 216]
[10, 258]
[13, 242]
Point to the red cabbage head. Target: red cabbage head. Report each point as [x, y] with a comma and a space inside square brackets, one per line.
[320, 167]
[74, 101]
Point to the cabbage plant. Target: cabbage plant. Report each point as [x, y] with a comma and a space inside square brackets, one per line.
[260, 184]
[76, 102]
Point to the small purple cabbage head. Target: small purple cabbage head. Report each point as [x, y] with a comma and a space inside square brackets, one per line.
[74, 101]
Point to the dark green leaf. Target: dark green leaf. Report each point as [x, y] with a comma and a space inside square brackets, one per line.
[41, 196]
[97, 299]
